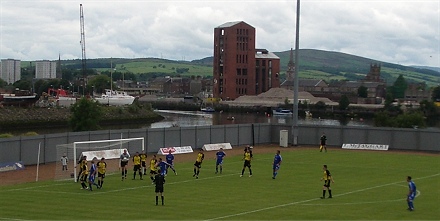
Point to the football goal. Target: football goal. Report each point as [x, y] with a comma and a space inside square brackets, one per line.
[68, 155]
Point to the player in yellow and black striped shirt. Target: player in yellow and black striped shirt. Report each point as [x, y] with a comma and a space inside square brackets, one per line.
[327, 179]
[143, 156]
[153, 168]
[84, 175]
[137, 165]
[198, 163]
[247, 157]
[102, 166]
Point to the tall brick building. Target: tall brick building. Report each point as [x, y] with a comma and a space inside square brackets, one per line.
[240, 68]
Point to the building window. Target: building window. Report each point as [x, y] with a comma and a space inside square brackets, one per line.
[244, 71]
[238, 71]
[222, 32]
[257, 62]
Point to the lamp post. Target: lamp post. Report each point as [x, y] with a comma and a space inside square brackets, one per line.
[295, 81]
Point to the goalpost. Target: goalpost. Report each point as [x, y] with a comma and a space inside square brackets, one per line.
[109, 149]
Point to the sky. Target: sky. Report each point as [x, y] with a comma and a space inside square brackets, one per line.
[399, 32]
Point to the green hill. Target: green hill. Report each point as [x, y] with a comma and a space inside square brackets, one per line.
[315, 64]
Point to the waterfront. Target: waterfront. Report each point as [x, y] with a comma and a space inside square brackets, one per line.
[198, 118]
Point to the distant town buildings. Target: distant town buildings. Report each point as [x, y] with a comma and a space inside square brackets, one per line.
[10, 70]
[45, 69]
[238, 67]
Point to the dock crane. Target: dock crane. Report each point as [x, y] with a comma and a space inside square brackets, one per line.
[83, 47]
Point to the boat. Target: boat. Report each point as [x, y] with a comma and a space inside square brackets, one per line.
[208, 110]
[19, 98]
[115, 98]
[62, 97]
[282, 112]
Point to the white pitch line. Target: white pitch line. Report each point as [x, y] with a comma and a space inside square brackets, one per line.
[3, 218]
[179, 182]
[309, 200]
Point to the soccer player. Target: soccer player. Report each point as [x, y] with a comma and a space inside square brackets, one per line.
[159, 180]
[124, 161]
[170, 161]
[162, 166]
[411, 194]
[327, 179]
[153, 168]
[84, 174]
[92, 174]
[219, 156]
[81, 162]
[143, 156]
[247, 157]
[102, 165]
[64, 160]
[198, 163]
[276, 164]
[137, 166]
[322, 145]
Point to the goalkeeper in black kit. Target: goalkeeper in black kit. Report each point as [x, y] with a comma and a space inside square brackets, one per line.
[159, 180]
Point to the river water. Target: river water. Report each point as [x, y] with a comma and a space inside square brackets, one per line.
[198, 118]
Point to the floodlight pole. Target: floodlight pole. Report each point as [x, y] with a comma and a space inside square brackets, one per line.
[295, 80]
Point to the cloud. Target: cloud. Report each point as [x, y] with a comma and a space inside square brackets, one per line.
[404, 32]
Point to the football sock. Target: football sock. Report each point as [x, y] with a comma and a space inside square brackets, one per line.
[216, 169]
[221, 169]
[84, 186]
[151, 178]
[195, 171]
[242, 171]
[125, 172]
[99, 182]
[161, 197]
[122, 173]
[102, 181]
[323, 193]
[275, 174]
[134, 175]
[140, 174]
[90, 186]
[157, 199]
[250, 171]
[411, 205]
[330, 193]
[198, 171]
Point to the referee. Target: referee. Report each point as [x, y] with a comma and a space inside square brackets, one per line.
[159, 180]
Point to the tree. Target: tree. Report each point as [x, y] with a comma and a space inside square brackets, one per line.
[86, 115]
[399, 87]
[436, 94]
[362, 91]
[100, 83]
[3, 83]
[344, 102]
[23, 85]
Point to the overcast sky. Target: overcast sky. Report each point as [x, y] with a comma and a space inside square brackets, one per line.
[401, 32]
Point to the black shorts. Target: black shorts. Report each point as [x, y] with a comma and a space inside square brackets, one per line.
[247, 163]
[84, 177]
[101, 175]
[152, 172]
[198, 164]
[144, 164]
[327, 183]
[136, 167]
[124, 163]
[159, 189]
[322, 143]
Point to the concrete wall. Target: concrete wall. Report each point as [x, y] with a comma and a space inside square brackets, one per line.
[26, 148]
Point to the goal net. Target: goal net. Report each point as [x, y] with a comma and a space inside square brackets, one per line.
[68, 155]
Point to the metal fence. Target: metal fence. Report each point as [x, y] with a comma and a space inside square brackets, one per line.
[26, 148]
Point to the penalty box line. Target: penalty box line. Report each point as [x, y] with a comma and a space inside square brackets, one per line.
[313, 199]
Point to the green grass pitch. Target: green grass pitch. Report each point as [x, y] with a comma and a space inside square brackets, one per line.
[369, 185]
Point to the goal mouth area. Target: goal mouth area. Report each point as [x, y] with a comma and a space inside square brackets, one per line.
[110, 150]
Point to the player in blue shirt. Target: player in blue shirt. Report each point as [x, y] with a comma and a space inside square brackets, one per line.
[219, 156]
[92, 174]
[170, 160]
[276, 164]
[411, 194]
[162, 166]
